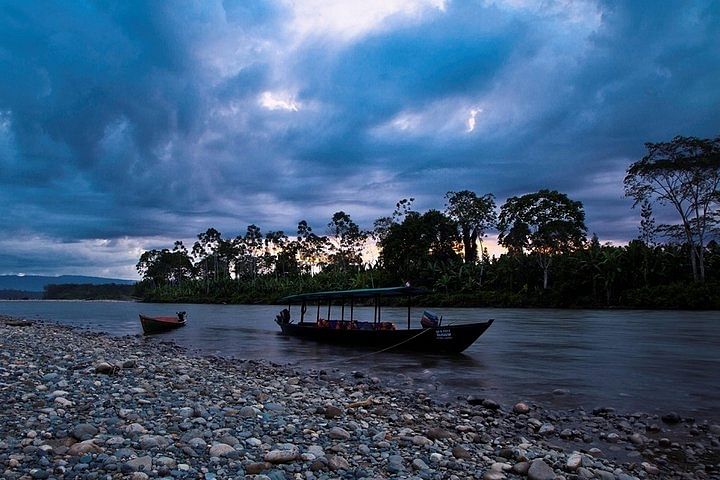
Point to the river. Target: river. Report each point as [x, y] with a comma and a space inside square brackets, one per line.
[631, 360]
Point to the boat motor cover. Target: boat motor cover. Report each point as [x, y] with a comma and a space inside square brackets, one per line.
[429, 320]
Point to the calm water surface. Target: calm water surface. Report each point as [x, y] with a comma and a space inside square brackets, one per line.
[654, 361]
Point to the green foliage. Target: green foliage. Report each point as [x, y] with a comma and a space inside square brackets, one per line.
[684, 174]
[421, 248]
[70, 291]
[539, 229]
[546, 224]
[474, 216]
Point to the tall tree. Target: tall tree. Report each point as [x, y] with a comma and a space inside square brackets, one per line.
[205, 251]
[253, 242]
[165, 266]
[347, 240]
[382, 225]
[412, 247]
[546, 223]
[685, 174]
[311, 247]
[474, 216]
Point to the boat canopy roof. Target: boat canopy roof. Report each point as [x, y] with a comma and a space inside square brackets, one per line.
[359, 293]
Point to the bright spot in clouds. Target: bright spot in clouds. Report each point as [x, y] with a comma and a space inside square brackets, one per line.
[471, 119]
[279, 101]
[353, 19]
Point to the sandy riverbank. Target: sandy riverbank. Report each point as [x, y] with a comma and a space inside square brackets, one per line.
[78, 404]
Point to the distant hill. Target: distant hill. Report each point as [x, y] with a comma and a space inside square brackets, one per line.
[36, 283]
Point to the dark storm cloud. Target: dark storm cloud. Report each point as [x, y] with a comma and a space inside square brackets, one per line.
[152, 122]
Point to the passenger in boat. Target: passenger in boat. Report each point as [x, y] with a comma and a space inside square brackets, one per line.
[181, 316]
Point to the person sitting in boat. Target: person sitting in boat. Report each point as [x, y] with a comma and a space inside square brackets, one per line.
[181, 316]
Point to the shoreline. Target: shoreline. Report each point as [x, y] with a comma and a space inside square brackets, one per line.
[473, 306]
[80, 404]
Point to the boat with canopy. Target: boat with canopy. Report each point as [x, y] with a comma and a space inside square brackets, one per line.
[346, 329]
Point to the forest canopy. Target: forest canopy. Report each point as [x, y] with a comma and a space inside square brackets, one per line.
[549, 260]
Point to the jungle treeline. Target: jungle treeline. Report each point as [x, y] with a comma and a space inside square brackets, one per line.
[87, 291]
[550, 260]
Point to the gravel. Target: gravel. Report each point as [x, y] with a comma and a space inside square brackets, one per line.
[84, 405]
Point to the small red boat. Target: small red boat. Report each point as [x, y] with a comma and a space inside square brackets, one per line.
[162, 324]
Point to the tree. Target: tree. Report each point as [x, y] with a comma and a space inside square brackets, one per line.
[382, 225]
[474, 216]
[546, 223]
[311, 248]
[279, 253]
[685, 174]
[205, 251]
[165, 266]
[348, 241]
[411, 248]
[253, 242]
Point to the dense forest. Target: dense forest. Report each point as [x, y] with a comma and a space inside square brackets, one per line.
[87, 291]
[550, 260]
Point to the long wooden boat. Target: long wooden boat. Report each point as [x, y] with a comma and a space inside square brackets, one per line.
[433, 337]
[162, 324]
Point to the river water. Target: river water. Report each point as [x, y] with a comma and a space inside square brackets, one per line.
[651, 361]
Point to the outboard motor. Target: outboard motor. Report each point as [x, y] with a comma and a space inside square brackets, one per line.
[283, 317]
[429, 320]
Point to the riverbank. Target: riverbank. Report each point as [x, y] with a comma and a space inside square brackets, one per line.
[79, 404]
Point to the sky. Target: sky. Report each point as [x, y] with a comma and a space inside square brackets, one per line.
[125, 126]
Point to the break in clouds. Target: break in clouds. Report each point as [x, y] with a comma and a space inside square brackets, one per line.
[127, 125]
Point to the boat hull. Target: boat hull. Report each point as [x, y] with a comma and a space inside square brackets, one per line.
[160, 324]
[449, 339]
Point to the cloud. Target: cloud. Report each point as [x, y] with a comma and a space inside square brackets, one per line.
[156, 121]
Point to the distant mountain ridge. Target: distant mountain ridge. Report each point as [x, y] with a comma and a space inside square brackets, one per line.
[36, 283]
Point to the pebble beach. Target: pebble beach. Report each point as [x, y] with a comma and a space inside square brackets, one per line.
[86, 405]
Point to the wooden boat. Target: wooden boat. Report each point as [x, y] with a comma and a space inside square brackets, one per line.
[162, 324]
[433, 337]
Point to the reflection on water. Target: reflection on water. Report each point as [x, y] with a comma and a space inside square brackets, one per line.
[630, 360]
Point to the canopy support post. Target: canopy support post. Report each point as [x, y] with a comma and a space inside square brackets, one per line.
[409, 313]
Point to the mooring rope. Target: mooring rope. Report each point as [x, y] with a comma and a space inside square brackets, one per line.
[380, 351]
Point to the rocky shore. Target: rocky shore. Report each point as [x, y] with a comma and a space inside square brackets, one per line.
[78, 404]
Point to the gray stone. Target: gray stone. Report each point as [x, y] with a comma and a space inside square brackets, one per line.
[248, 412]
[140, 463]
[418, 464]
[338, 433]
[574, 462]
[282, 456]
[435, 433]
[521, 468]
[331, 411]
[84, 431]
[81, 448]
[336, 462]
[546, 429]
[539, 470]
[220, 450]
[461, 453]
